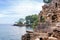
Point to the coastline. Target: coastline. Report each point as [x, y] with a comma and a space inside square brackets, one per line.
[21, 25]
[18, 25]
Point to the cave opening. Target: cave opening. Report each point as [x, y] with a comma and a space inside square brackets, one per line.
[54, 17]
[55, 4]
[41, 38]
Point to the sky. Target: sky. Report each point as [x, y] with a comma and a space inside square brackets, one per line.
[12, 10]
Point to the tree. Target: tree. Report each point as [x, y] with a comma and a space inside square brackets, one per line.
[20, 21]
[32, 20]
[28, 19]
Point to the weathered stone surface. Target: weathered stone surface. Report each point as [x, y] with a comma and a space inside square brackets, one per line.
[50, 28]
[52, 38]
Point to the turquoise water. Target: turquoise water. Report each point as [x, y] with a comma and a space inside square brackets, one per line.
[9, 32]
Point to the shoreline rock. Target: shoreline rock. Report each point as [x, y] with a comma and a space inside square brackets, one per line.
[22, 25]
[18, 25]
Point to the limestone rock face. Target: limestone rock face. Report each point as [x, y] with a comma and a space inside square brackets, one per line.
[51, 12]
[50, 15]
[49, 23]
[52, 38]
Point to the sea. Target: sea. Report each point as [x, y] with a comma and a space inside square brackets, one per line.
[10, 32]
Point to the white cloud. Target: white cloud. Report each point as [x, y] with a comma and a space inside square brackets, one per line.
[2, 15]
[20, 10]
[25, 8]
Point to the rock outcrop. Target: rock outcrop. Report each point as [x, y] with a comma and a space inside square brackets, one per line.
[49, 23]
